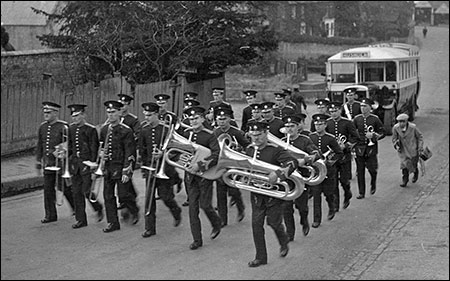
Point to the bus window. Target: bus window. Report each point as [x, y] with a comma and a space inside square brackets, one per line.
[373, 71]
[391, 71]
[343, 72]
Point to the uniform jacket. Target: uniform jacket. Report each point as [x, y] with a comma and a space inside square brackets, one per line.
[236, 133]
[246, 116]
[351, 109]
[410, 141]
[361, 124]
[132, 121]
[346, 128]
[120, 150]
[83, 146]
[49, 136]
[324, 143]
[274, 127]
[285, 111]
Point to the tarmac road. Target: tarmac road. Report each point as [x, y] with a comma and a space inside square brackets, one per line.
[398, 233]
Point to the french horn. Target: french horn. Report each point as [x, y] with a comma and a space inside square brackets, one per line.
[318, 169]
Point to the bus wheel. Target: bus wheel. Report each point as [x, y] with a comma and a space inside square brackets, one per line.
[389, 120]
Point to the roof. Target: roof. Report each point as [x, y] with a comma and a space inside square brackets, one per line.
[443, 9]
[380, 52]
[20, 12]
[422, 4]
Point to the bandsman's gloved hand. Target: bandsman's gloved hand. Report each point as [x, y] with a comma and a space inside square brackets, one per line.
[157, 154]
[272, 177]
[309, 159]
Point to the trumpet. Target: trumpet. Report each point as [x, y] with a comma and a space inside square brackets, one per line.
[317, 170]
[370, 130]
[238, 170]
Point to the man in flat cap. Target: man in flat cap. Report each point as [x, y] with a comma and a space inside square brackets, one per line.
[119, 156]
[326, 143]
[49, 158]
[83, 147]
[223, 118]
[275, 123]
[347, 136]
[150, 144]
[370, 129]
[266, 206]
[293, 136]
[281, 109]
[408, 141]
[250, 97]
[322, 108]
[200, 189]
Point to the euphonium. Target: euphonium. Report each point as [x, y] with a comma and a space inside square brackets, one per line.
[318, 169]
[187, 151]
[244, 172]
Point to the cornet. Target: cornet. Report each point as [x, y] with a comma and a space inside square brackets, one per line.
[328, 155]
[370, 130]
[341, 139]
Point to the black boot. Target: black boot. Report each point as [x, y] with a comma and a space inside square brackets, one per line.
[405, 177]
[416, 176]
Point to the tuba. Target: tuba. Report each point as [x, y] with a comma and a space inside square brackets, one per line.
[183, 151]
[244, 172]
[318, 169]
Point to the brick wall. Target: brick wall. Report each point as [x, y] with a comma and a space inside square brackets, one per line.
[30, 66]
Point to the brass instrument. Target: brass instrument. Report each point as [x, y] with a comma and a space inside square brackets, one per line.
[370, 130]
[244, 172]
[185, 151]
[341, 139]
[318, 169]
[155, 165]
[101, 163]
[95, 187]
[328, 155]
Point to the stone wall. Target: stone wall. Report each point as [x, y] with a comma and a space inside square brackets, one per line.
[292, 51]
[37, 65]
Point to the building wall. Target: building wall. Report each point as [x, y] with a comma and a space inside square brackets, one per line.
[23, 37]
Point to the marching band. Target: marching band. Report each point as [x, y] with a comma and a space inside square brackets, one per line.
[271, 155]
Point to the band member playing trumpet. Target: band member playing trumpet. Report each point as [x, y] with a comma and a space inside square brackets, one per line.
[50, 135]
[262, 205]
[119, 155]
[200, 189]
[223, 118]
[150, 142]
[291, 123]
[346, 134]
[330, 149]
[370, 129]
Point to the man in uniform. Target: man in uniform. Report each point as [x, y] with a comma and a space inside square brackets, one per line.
[119, 156]
[282, 109]
[370, 129]
[223, 117]
[302, 125]
[351, 107]
[288, 100]
[291, 123]
[150, 143]
[341, 127]
[299, 100]
[200, 189]
[131, 121]
[275, 124]
[325, 142]
[50, 137]
[263, 205]
[250, 97]
[83, 146]
[322, 108]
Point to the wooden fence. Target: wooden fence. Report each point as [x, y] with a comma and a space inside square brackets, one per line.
[21, 103]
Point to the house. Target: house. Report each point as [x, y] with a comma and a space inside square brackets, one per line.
[431, 12]
[23, 24]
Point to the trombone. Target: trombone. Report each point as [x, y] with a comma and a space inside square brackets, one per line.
[157, 166]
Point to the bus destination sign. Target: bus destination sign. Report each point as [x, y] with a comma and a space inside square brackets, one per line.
[355, 55]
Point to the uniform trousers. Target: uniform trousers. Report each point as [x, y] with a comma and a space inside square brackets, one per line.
[301, 204]
[109, 196]
[200, 196]
[165, 192]
[343, 176]
[371, 163]
[327, 187]
[81, 186]
[50, 194]
[264, 206]
[222, 200]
